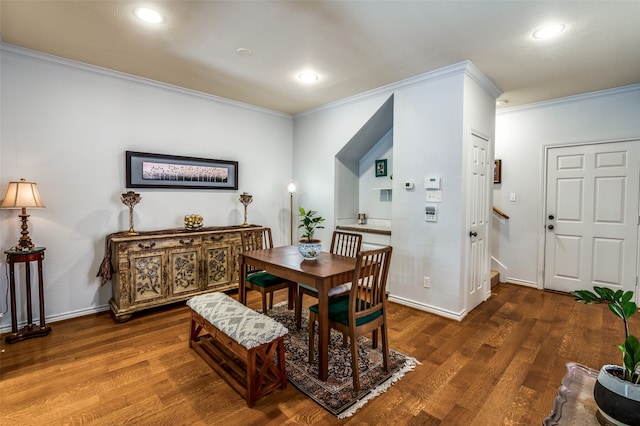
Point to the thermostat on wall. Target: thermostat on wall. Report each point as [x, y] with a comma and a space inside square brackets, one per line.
[431, 213]
[432, 182]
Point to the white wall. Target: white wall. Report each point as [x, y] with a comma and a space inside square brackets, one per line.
[428, 142]
[521, 135]
[67, 126]
[428, 139]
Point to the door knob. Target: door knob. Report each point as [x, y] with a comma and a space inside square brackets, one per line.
[550, 227]
[551, 217]
[473, 234]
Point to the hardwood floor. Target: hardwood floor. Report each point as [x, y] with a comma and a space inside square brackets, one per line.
[502, 365]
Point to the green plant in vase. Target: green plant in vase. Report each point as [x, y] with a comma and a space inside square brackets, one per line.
[308, 246]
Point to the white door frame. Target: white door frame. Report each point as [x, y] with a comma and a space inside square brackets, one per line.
[542, 224]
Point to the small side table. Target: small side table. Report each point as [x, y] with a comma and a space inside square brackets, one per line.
[574, 404]
[30, 330]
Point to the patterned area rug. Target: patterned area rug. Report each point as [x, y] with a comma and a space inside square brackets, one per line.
[337, 394]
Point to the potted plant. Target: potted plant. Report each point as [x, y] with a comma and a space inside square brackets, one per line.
[617, 389]
[308, 246]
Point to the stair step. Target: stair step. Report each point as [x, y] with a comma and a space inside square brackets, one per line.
[495, 278]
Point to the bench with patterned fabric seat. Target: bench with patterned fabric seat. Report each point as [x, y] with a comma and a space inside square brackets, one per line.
[245, 347]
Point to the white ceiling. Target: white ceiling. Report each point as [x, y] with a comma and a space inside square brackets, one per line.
[354, 46]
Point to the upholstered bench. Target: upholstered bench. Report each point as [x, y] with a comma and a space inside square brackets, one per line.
[245, 347]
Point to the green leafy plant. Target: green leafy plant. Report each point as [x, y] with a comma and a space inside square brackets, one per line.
[310, 222]
[621, 305]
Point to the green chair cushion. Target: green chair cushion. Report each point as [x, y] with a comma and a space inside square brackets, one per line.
[339, 311]
[264, 279]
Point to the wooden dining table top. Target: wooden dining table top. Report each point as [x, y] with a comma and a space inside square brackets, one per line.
[283, 258]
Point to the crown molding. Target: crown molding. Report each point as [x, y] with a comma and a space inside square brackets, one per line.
[569, 99]
[6, 48]
[465, 67]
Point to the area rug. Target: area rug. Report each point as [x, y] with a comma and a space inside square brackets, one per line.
[337, 394]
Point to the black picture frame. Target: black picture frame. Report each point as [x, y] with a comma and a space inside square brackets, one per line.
[497, 171]
[381, 168]
[148, 170]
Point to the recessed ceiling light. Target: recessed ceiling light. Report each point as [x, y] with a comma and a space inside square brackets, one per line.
[548, 31]
[149, 16]
[308, 76]
[243, 51]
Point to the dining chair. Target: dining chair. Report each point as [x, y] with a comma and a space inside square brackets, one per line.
[363, 310]
[343, 243]
[260, 280]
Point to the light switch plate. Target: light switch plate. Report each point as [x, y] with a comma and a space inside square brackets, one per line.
[434, 196]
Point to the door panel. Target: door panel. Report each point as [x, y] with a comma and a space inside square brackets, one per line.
[570, 200]
[592, 216]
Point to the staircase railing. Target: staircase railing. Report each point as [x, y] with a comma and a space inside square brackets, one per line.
[500, 213]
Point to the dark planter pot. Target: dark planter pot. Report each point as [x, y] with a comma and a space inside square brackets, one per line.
[618, 400]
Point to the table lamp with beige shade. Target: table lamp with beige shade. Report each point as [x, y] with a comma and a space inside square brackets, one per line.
[22, 195]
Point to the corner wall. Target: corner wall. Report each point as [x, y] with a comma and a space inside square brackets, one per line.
[428, 139]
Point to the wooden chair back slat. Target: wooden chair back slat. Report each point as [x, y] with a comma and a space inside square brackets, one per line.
[345, 243]
[255, 239]
[368, 290]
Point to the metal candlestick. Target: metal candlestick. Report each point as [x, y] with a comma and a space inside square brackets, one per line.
[245, 199]
[130, 199]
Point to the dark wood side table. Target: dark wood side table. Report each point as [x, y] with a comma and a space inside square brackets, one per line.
[30, 330]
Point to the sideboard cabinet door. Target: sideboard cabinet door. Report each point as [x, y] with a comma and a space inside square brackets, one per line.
[220, 254]
[147, 277]
[184, 264]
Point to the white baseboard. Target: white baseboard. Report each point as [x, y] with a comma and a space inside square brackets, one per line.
[458, 316]
[68, 315]
[522, 282]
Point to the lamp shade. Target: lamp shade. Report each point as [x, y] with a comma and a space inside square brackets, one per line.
[22, 194]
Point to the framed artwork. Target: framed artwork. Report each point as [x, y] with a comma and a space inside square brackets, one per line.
[146, 170]
[381, 168]
[497, 171]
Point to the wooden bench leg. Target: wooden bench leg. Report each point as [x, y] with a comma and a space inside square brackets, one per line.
[262, 374]
[252, 386]
[281, 364]
[194, 331]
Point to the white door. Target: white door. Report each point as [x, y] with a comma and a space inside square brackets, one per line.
[479, 187]
[592, 216]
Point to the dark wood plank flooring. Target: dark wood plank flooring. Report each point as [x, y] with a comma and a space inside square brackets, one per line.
[501, 365]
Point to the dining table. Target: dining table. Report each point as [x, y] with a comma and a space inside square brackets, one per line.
[326, 271]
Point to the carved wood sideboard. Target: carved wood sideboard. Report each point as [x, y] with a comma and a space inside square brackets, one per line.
[156, 268]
